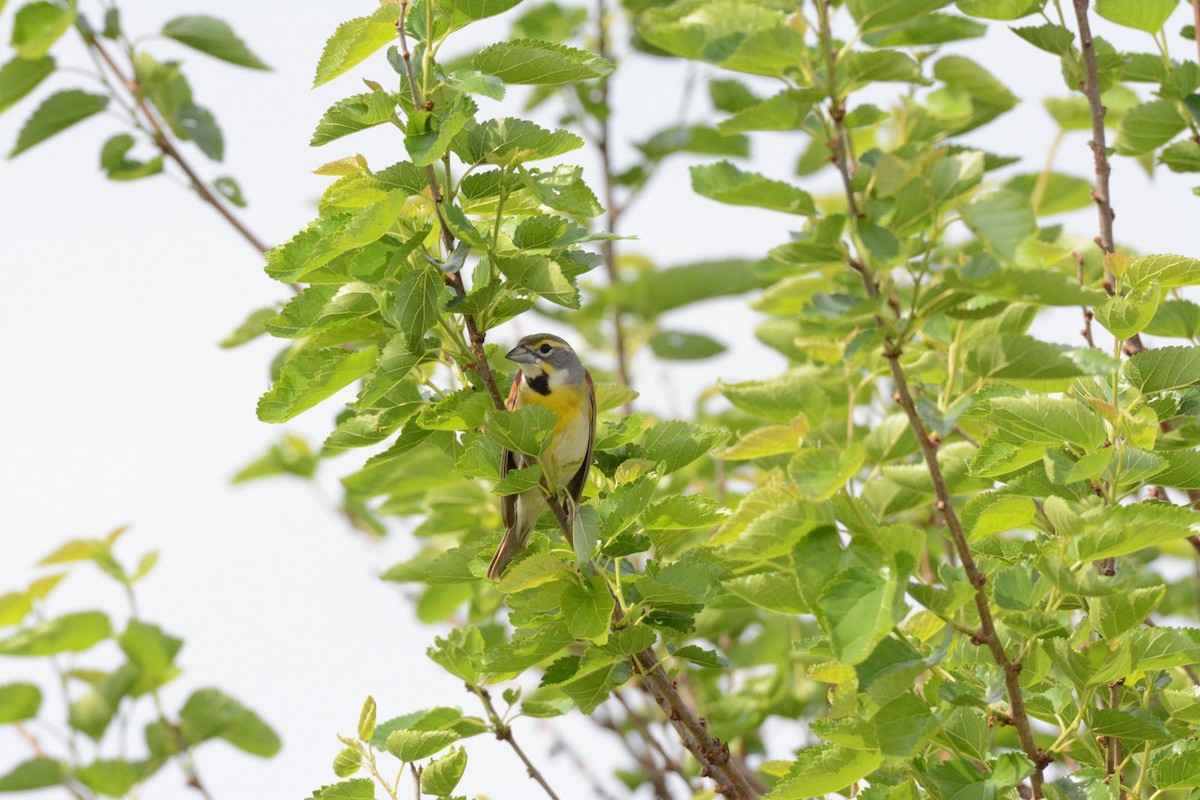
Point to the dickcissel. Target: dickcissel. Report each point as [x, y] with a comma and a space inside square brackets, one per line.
[553, 377]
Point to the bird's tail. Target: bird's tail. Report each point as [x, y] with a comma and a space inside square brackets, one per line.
[510, 545]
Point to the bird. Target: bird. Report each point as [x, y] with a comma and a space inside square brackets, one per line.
[552, 376]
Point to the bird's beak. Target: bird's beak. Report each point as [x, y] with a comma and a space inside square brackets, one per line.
[522, 355]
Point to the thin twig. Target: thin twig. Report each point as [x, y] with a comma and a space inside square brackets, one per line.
[839, 142]
[504, 733]
[611, 211]
[480, 365]
[1102, 194]
[643, 728]
[1196, 25]
[164, 143]
[416, 773]
[987, 634]
[1086, 330]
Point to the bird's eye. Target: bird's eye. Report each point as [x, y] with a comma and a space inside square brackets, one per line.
[544, 349]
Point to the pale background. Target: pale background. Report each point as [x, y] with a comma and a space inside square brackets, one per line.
[117, 407]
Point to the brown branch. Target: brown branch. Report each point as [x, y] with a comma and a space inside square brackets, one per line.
[416, 773]
[839, 143]
[504, 733]
[1086, 330]
[164, 144]
[1196, 26]
[987, 626]
[988, 635]
[713, 754]
[480, 365]
[611, 211]
[1091, 88]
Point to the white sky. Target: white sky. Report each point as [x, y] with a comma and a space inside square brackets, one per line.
[117, 406]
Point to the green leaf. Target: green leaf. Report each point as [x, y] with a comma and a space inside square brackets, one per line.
[1023, 360]
[214, 37]
[366, 719]
[1054, 39]
[209, 713]
[770, 440]
[860, 608]
[426, 141]
[1145, 127]
[676, 444]
[37, 26]
[655, 291]
[120, 168]
[1127, 529]
[110, 778]
[312, 376]
[735, 34]
[989, 513]
[36, 773]
[873, 15]
[539, 274]
[725, 183]
[355, 41]
[903, 725]
[70, 633]
[509, 141]
[1178, 767]
[409, 746]
[1115, 614]
[588, 609]
[291, 455]
[824, 769]
[150, 648]
[784, 111]
[1144, 15]
[1056, 193]
[529, 573]
[1128, 723]
[820, 472]
[347, 762]
[441, 775]
[529, 61]
[57, 112]
[472, 81]
[1127, 315]
[684, 346]
[998, 9]
[357, 789]
[1168, 271]
[1047, 420]
[525, 430]
[20, 76]
[592, 685]
[1002, 220]
[353, 114]
[1182, 156]
[419, 301]
[1164, 369]
[19, 701]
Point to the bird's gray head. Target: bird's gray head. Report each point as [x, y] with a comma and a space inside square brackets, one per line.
[546, 354]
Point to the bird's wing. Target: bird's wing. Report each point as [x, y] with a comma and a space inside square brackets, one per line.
[508, 502]
[579, 479]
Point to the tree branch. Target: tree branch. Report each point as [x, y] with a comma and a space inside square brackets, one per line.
[504, 733]
[644, 758]
[168, 148]
[1196, 26]
[611, 212]
[988, 634]
[480, 365]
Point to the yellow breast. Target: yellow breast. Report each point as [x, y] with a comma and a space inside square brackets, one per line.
[572, 431]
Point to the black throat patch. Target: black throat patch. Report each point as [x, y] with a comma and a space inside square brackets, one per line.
[540, 384]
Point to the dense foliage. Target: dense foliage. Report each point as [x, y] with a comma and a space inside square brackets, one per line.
[938, 544]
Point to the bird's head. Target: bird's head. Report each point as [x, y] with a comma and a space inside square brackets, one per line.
[546, 354]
